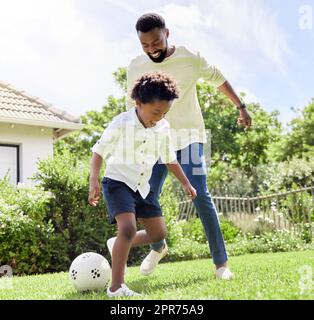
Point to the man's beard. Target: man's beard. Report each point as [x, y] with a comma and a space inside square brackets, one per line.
[162, 56]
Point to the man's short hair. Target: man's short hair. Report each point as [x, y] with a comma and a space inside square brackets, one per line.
[150, 21]
[155, 86]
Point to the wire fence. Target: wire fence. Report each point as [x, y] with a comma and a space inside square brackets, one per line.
[292, 210]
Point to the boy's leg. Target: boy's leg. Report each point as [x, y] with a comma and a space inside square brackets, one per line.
[193, 164]
[126, 232]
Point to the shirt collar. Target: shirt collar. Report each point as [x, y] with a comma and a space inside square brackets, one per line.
[135, 120]
[138, 124]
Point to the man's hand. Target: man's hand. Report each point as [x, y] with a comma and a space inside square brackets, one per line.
[190, 191]
[94, 191]
[244, 119]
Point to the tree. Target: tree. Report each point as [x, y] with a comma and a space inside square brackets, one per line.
[299, 141]
[94, 122]
[232, 143]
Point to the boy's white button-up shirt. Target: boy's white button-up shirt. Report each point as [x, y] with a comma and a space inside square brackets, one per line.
[132, 150]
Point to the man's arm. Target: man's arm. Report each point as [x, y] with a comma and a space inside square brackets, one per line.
[245, 118]
[215, 77]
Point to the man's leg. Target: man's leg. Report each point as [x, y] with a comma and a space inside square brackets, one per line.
[154, 231]
[159, 174]
[193, 164]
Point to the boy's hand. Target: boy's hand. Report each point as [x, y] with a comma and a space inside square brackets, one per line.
[190, 191]
[94, 190]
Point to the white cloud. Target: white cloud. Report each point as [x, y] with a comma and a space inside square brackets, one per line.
[249, 96]
[252, 25]
[50, 49]
[124, 5]
[241, 24]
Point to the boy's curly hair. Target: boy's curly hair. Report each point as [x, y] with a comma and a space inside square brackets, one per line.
[155, 86]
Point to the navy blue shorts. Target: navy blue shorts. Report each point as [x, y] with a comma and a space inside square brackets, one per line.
[120, 198]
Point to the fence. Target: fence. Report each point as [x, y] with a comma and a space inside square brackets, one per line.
[292, 210]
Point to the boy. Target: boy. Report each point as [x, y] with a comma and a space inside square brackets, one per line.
[135, 140]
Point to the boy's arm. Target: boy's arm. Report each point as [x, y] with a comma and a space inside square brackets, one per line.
[176, 169]
[169, 158]
[102, 148]
[94, 188]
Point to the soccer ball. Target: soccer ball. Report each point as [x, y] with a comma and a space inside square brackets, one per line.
[90, 271]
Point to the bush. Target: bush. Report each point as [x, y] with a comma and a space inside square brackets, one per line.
[78, 226]
[293, 173]
[253, 224]
[187, 250]
[224, 179]
[193, 229]
[298, 207]
[27, 240]
[278, 241]
[229, 230]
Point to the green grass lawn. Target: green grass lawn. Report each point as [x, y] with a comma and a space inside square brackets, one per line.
[258, 276]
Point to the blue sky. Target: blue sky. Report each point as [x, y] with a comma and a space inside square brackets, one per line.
[66, 51]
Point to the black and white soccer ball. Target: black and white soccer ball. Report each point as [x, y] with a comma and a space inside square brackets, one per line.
[90, 271]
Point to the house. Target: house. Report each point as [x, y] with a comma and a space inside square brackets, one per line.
[28, 129]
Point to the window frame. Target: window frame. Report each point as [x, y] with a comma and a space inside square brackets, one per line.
[17, 147]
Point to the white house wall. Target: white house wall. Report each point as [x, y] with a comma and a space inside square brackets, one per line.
[35, 143]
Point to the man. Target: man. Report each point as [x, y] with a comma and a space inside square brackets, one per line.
[188, 127]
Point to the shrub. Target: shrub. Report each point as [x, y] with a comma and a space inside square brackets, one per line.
[253, 224]
[277, 241]
[27, 240]
[78, 226]
[223, 179]
[228, 229]
[293, 173]
[193, 229]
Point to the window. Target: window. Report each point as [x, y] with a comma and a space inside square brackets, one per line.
[9, 162]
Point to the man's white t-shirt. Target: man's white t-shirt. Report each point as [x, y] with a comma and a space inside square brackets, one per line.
[185, 115]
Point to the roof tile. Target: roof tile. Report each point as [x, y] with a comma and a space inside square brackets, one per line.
[18, 104]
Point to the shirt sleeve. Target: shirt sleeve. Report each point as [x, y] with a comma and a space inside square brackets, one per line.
[130, 103]
[210, 73]
[106, 144]
[167, 152]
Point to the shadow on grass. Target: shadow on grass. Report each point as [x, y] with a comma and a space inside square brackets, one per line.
[150, 284]
[88, 295]
[143, 285]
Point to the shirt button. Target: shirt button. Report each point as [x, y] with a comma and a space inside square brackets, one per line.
[144, 141]
[142, 173]
[138, 184]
